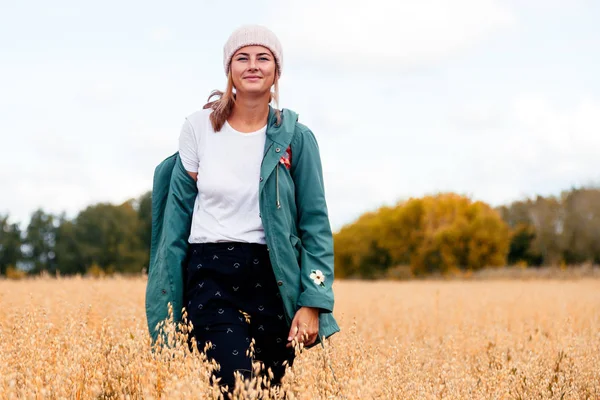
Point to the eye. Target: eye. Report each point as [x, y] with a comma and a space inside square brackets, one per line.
[264, 59]
[241, 58]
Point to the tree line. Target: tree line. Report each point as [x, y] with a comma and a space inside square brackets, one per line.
[103, 238]
[420, 236]
[448, 232]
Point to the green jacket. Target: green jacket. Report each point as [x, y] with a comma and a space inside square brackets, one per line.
[294, 216]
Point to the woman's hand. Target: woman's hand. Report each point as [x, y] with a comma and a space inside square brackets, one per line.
[305, 326]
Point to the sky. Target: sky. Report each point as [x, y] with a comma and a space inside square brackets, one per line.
[498, 100]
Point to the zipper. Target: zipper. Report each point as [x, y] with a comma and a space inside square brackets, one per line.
[277, 185]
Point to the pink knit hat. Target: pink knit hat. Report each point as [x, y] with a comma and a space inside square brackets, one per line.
[249, 35]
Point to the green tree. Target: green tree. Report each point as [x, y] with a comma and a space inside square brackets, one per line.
[375, 260]
[581, 228]
[108, 236]
[546, 216]
[69, 260]
[518, 215]
[143, 207]
[40, 241]
[521, 249]
[10, 244]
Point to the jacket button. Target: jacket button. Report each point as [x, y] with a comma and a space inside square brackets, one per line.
[259, 215]
[163, 291]
[277, 150]
[261, 179]
[279, 283]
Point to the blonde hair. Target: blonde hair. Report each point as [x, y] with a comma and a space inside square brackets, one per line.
[225, 101]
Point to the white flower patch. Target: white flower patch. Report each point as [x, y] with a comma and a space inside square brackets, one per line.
[317, 277]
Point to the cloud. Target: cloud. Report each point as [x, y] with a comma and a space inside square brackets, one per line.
[538, 146]
[85, 133]
[92, 129]
[477, 116]
[161, 35]
[497, 153]
[386, 34]
[99, 93]
[562, 142]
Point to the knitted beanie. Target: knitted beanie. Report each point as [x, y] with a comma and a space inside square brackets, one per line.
[249, 35]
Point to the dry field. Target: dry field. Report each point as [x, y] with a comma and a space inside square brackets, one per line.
[86, 339]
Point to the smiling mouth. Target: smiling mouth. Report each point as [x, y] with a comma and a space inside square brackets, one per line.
[253, 77]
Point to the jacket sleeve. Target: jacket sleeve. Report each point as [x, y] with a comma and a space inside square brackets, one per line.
[314, 230]
[173, 196]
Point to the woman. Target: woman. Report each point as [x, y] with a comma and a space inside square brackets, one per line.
[250, 229]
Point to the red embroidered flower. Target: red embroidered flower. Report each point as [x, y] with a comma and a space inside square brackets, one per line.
[286, 159]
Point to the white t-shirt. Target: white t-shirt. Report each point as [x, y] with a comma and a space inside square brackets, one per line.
[228, 166]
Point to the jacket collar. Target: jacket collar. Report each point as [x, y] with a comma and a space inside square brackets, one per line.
[278, 138]
[282, 133]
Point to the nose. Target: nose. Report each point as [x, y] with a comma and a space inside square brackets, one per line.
[252, 63]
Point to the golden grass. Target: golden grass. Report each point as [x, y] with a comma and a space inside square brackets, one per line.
[87, 339]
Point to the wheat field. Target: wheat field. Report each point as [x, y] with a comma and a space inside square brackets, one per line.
[78, 338]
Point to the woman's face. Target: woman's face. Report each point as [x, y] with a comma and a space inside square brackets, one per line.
[253, 70]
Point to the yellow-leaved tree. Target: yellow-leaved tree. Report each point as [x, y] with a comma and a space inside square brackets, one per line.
[438, 233]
